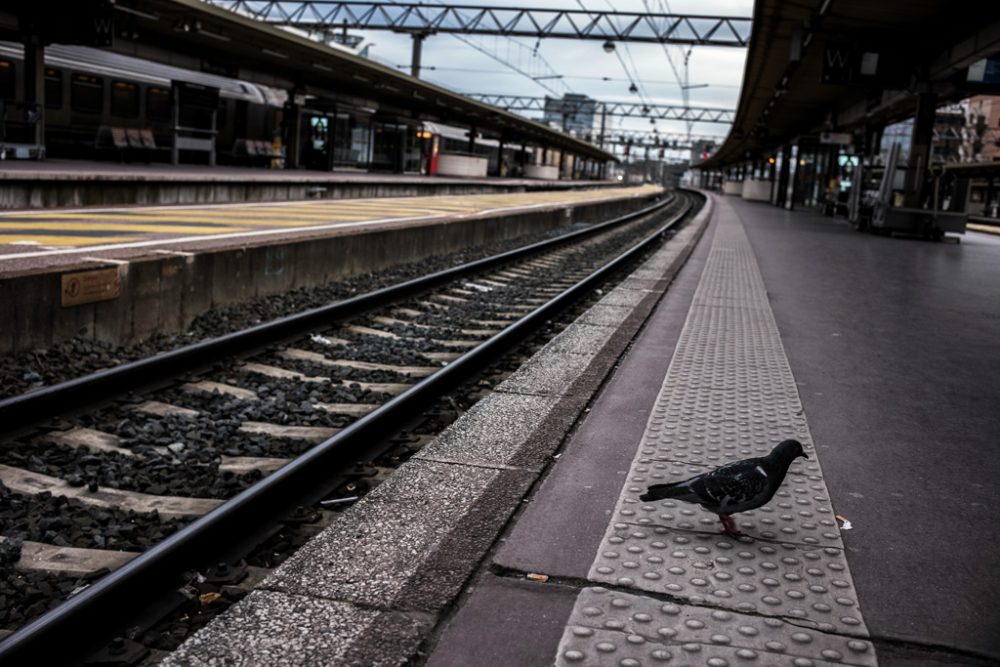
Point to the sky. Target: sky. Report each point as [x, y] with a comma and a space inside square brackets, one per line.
[583, 64]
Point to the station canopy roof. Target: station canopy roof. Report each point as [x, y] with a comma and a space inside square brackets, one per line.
[195, 35]
[838, 65]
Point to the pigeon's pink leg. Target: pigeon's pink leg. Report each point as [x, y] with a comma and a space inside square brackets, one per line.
[729, 525]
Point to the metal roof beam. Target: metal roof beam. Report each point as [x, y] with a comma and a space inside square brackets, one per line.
[629, 109]
[687, 29]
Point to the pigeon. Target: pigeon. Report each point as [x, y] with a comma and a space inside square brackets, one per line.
[735, 487]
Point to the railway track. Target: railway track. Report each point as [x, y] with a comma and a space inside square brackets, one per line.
[165, 473]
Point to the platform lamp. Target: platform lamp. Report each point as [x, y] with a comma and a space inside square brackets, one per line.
[608, 46]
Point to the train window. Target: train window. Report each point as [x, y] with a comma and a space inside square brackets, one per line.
[6, 80]
[124, 99]
[53, 88]
[87, 93]
[158, 103]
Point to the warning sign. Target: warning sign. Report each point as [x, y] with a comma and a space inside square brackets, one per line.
[90, 286]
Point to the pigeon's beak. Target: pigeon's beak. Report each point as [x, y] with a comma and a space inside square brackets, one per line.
[804, 455]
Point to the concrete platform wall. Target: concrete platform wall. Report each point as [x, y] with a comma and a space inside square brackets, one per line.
[757, 190]
[732, 188]
[164, 292]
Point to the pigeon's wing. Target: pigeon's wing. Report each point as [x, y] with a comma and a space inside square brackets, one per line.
[734, 487]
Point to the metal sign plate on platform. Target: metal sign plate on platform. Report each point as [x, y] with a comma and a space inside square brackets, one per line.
[90, 286]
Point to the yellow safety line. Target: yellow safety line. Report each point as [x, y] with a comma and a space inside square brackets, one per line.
[44, 239]
[116, 227]
[220, 224]
[289, 215]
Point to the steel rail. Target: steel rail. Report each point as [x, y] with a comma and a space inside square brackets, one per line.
[44, 403]
[67, 631]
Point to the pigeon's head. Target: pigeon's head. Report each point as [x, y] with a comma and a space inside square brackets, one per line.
[789, 450]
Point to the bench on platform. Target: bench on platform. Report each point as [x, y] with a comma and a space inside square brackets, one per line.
[256, 152]
[131, 142]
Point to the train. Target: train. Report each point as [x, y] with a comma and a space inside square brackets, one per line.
[108, 106]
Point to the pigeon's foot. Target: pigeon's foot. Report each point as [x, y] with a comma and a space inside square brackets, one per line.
[729, 526]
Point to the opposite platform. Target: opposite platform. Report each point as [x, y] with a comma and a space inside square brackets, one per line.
[118, 275]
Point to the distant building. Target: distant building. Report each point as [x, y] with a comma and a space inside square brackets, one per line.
[963, 132]
[981, 134]
[572, 113]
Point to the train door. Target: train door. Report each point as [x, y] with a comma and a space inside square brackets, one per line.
[412, 151]
[387, 146]
[430, 147]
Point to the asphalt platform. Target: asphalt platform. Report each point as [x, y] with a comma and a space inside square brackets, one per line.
[518, 538]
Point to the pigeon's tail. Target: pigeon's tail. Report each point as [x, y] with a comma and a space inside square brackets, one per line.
[679, 490]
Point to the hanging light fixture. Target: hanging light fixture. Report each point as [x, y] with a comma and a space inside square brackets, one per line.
[632, 88]
[608, 46]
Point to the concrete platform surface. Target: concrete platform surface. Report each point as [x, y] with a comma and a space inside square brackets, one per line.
[29, 239]
[879, 354]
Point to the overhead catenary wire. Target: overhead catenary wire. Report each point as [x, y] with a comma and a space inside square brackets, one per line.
[538, 59]
[476, 70]
[685, 87]
[633, 74]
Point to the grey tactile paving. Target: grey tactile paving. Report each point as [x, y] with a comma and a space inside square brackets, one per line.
[268, 628]
[624, 630]
[730, 394]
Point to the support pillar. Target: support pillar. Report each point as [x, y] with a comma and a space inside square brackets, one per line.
[402, 130]
[920, 151]
[471, 147]
[501, 172]
[771, 174]
[783, 174]
[34, 90]
[604, 121]
[988, 201]
[418, 44]
[293, 132]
